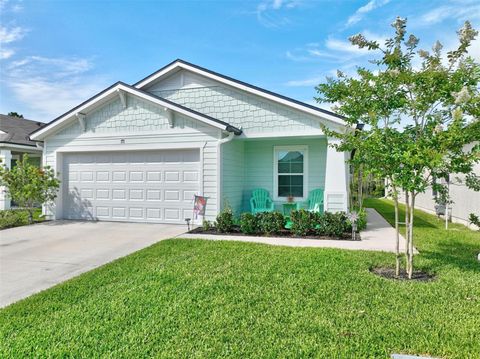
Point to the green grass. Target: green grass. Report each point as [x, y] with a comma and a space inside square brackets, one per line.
[192, 298]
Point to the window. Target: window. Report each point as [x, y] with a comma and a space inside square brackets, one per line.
[290, 172]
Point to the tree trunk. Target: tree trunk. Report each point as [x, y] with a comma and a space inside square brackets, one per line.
[397, 234]
[410, 236]
[30, 215]
[407, 221]
[360, 188]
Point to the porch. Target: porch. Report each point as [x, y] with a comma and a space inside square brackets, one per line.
[290, 166]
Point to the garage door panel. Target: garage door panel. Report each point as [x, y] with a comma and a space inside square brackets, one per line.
[144, 186]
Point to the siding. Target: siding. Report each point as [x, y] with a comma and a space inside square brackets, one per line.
[233, 175]
[240, 109]
[141, 125]
[259, 166]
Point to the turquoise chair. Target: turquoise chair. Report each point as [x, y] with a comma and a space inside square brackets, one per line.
[261, 201]
[315, 201]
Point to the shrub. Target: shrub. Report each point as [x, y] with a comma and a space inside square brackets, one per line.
[225, 221]
[13, 218]
[248, 223]
[270, 222]
[303, 222]
[207, 225]
[333, 224]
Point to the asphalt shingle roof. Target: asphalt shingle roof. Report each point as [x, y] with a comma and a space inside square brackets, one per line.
[15, 130]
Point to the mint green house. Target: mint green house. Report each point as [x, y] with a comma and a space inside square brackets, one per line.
[141, 152]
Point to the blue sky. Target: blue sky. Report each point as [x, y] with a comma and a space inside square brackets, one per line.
[56, 54]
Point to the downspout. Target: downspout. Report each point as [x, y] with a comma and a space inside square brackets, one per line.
[230, 137]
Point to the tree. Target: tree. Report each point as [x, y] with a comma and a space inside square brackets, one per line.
[415, 105]
[15, 114]
[29, 185]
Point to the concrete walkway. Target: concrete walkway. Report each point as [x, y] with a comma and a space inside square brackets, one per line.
[34, 258]
[379, 236]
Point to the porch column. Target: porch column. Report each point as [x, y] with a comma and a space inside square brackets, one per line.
[336, 179]
[5, 160]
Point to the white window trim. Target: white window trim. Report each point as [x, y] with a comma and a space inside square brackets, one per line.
[304, 149]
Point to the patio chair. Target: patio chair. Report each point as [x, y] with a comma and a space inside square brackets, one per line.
[315, 201]
[261, 201]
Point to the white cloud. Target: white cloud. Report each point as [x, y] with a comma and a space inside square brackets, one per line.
[308, 82]
[461, 11]
[6, 53]
[9, 35]
[269, 13]
[50, 86]
[365, 9]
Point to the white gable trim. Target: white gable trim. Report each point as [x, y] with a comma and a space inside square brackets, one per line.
[88, 106]
[176, 65]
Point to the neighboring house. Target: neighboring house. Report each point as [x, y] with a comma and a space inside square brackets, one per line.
[465, 200]
[140, 153]
[14, 143]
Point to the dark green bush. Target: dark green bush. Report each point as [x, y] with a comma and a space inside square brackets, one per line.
[248, 223]
[303, 222]
[13, 218]
[270, 222]
[333, 224]
[225, 221]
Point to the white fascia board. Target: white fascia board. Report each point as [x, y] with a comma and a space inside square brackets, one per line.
[176, 65]
[44, 132]
[19, 147]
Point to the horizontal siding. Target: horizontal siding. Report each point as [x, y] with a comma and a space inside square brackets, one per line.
[233, 175]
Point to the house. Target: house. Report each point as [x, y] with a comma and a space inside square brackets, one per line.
[14, 143]
[140, 152]
[465, 200]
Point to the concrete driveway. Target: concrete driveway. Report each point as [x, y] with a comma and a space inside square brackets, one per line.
[33, 258]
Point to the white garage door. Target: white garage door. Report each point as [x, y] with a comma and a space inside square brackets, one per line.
[139, 186]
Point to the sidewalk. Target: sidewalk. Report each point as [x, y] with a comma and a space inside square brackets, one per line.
[379, 236]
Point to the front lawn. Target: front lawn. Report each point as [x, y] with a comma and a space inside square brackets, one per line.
[193, 298]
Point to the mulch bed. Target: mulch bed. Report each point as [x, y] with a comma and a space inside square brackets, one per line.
[389, 273]
[284, 233]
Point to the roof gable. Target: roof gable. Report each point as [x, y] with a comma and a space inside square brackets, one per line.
[116, 90]
[178, 65]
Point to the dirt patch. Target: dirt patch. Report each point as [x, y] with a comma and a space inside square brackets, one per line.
[389, 273]
[285, 233]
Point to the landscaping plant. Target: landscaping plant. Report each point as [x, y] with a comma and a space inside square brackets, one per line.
[29, 185]
[303, 222]
[225, 221]
[270, 222]
[248, 223]
[13, 218]
[416, 116]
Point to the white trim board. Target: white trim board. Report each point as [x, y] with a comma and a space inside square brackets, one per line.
[304, 149]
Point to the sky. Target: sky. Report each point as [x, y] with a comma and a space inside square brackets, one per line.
[56, 54]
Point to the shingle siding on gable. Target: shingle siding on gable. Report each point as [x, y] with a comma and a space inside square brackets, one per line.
[139, 116]
[240, 109]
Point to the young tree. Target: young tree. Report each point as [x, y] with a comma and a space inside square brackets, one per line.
[415, 115]
[29, 185]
